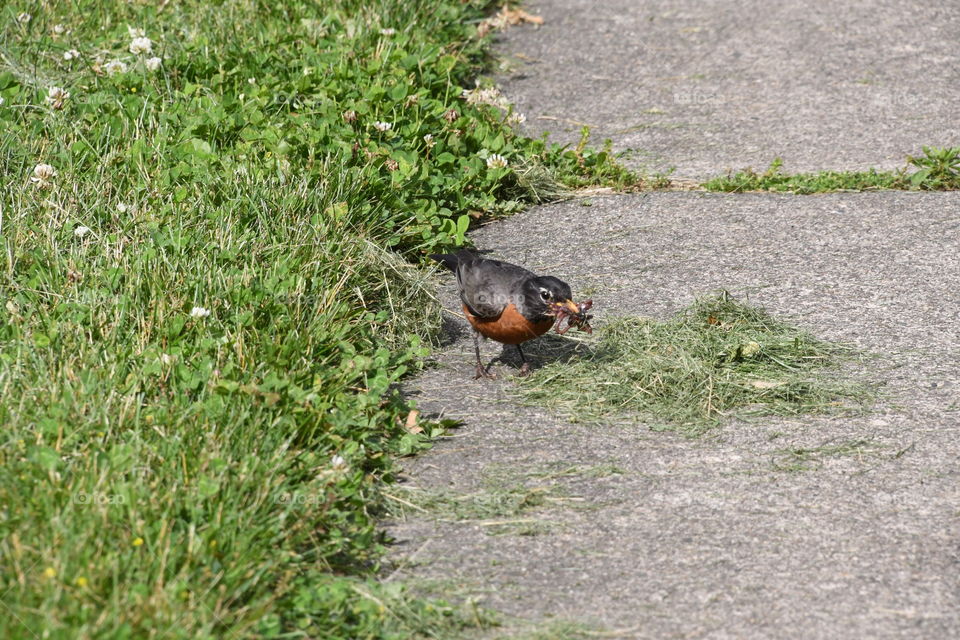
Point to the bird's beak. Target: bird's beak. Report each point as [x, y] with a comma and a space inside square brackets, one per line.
[570, 306]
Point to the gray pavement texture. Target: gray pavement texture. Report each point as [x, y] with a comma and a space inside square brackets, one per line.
[648, 534]
[706, 86]
[713, 537]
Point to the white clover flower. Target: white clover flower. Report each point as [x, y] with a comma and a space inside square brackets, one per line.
[494, 97]
[43, 175]
[251, 81]
[71, 54]
[59, 29]
[153, 63]
[121, 207]
[135, 32]
[429, 141]
[387, 32]
[516, 119]
[167, 359]
[56, 96]
[140, 46]
[199, 312]
[382, 126]
[491, 96]
[338, 463]
[81, 231]
[24, 18]
[115, 66]
[496, 161]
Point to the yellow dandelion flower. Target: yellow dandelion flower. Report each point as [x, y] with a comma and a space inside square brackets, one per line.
[80, 581]
[50, 572]
[137, 541]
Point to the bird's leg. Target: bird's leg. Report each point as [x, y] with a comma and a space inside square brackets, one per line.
[481, 370]
[525, 367]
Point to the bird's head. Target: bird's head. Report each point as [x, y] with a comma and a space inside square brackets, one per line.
[546, 295]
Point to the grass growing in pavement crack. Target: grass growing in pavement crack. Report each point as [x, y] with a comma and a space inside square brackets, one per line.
[938, 169]
[717, 358]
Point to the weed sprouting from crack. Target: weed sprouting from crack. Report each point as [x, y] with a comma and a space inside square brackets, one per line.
[938, 169]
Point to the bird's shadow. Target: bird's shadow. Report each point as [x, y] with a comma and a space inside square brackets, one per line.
[452, 330]
[548, 349]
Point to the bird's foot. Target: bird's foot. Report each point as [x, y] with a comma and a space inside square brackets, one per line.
[482, 372]
[524, 370]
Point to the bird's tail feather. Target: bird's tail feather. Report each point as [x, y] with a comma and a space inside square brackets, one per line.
[452, 260]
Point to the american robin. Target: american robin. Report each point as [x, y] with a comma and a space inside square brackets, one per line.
[505, 302]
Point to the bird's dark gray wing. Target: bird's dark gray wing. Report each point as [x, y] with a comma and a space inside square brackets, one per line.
[487, 286]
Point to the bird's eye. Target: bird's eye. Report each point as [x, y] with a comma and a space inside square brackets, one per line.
[546, 295]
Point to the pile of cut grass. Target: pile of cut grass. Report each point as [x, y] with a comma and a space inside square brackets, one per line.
[715, 359]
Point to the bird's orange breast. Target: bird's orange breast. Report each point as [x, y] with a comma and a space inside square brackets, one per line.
[510, 327]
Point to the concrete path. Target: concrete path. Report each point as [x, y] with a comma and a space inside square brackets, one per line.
[707, 86]
[645, 534]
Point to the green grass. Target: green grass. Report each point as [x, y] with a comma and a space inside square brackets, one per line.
[508, 500]
[393, 608]
[556, 630]
[171, 474]
[560, 470]
[716, 359]
[499, 511]
[938, 169]
[505, 504]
